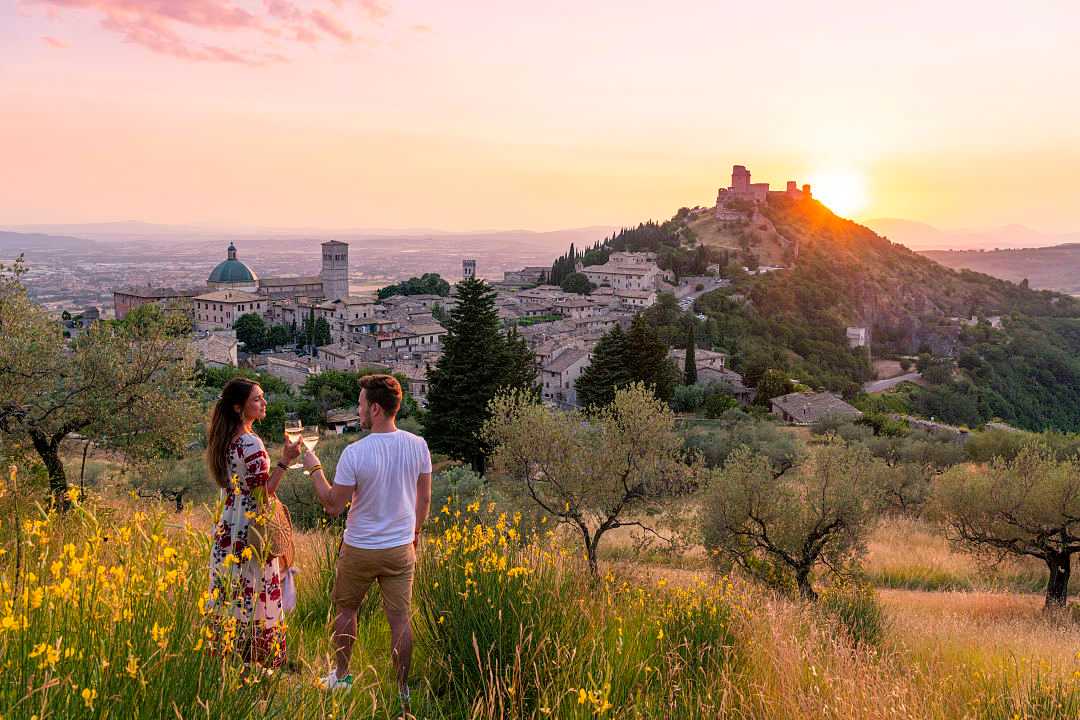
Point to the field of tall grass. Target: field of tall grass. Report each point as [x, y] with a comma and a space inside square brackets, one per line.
[101, 617]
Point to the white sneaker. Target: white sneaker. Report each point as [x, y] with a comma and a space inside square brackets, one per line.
[333, 682]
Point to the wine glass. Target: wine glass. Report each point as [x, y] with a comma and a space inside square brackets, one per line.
[293, 431]
[310, 438]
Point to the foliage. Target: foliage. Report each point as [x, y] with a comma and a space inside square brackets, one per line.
[856, 608]
[252, 331]
[566, 265]
[576, 283]
[426, 284]
[595, 471]
[717, 403]
[773, 384]
[620, 359]
[459, 483]
[216, 377]
[477, 363]
[817, 513]
[131, 389]
[1029, 505]
[688, 398]
[108, 621]
[607, 372]
[315, 331]
[717, 441]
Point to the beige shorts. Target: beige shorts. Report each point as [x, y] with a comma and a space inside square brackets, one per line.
[357, 568]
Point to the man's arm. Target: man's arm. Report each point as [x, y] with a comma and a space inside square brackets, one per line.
[333, 498]
[423, 502]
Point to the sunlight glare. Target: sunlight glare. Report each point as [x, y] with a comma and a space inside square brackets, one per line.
[843, 192]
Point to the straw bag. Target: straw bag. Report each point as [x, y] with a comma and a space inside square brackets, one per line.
[275, 538]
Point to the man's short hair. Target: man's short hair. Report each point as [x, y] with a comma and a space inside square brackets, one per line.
[384, 391]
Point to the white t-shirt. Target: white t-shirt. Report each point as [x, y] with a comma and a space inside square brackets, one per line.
[383, 469]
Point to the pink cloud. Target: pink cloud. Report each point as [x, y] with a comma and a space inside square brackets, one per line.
[421, 28]
[330, 26]
[184, 28]
[54, 42]
[375, 9]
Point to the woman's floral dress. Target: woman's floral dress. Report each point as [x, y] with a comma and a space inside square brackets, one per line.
[245, 590]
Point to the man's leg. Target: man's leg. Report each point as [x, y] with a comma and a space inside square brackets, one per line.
[401, 644]
[344, 637]
[351, 583]
[396, 586]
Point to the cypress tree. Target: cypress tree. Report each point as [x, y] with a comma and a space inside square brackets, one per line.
[690, 368]
[607, 371]
[647, 361]
[478, 361]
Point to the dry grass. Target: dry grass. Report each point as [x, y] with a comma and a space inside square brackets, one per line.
[914, 554]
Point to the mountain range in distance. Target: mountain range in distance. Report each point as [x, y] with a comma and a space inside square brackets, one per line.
[919, 236]
[1047, 261]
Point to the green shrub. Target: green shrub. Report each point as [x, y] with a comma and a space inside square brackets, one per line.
[688, 398]
[855, 608]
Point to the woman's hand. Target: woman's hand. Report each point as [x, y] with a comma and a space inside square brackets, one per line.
[290, 451]
[310, 460]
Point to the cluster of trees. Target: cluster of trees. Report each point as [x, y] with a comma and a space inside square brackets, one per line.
[426, 284]
[621, 359]
[128, 387]
[577, 283]
[566, 265]
[256, 335]
[1028, 376]
[479, 361]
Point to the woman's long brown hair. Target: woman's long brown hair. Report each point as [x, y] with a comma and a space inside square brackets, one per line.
[224, 422]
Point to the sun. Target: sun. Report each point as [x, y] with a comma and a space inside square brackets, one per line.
[843, 192]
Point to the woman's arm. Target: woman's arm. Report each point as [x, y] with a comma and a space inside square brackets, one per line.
[258, 472]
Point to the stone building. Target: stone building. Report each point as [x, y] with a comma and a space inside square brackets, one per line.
[335, 269]
[221, 309]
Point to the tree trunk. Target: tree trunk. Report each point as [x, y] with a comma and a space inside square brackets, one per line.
[1057, 588]
[49, 451]
[594, 565]
[802, 578]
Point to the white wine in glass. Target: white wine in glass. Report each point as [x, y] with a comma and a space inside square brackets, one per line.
[293, 432]
[310, 437]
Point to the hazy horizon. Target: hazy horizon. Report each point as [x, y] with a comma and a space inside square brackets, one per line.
[354, 114]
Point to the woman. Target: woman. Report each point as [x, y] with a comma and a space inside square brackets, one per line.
[245, 588]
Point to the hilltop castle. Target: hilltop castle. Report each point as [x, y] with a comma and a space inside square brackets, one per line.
[742, 189]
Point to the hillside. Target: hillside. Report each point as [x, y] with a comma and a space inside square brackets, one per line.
[838, 273]
[1045, 268]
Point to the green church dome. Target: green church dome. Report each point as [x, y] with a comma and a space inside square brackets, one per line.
[232, 271]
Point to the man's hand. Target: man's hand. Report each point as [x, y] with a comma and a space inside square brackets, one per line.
[416, 539]
[310, 460]
[290, 451]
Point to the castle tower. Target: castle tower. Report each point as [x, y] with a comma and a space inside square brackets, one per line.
[740, 179]
[335, 269]
[468, 269]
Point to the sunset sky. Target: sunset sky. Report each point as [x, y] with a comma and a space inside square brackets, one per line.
[542, 115]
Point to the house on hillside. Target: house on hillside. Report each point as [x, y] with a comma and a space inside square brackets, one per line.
[807, 408]
[559, 376]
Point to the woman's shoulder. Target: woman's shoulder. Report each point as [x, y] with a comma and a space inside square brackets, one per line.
[249, 441]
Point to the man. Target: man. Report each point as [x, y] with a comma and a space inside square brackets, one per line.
[387, 478]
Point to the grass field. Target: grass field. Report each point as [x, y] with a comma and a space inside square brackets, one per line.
[104, 621]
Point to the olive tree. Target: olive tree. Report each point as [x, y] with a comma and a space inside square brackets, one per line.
[815, 513]
[593, 471]
[1028, 505]
[129, 388]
